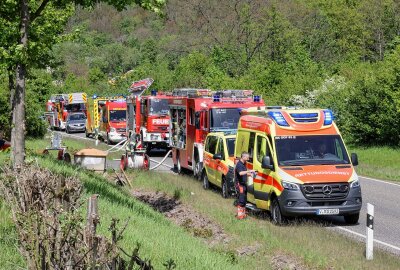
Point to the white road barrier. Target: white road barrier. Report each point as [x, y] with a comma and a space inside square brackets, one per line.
[369, 252]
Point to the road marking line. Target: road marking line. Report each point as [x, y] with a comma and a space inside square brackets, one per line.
[382, 181]
[363, 236]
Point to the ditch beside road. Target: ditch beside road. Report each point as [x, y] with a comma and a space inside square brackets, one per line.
[382, 194]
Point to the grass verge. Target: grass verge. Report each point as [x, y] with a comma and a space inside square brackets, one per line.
[308, 242]
[160, 240]
[378, 162]
[10, 258]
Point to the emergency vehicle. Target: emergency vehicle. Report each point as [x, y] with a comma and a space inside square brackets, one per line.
[302, 164]
[112, 127]
[93, 108]
[219, 157]
[59, 105]
[195, 113]
[148, 116]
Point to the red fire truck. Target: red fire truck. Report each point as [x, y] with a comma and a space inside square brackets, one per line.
[150, 118]
[196, 112]
[59, 105]
[113, 121]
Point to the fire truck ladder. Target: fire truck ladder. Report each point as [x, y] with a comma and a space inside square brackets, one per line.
[191, 92]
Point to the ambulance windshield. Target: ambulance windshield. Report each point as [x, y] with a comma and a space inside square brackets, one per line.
[158, 106]
[310, 150]
[224, 118]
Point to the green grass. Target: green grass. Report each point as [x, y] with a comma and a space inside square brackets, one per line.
[160, 239]
[309, 243]
[73, 145]
[10, 258]
[378, 162]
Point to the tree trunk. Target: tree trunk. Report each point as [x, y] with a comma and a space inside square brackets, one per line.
[18, 104]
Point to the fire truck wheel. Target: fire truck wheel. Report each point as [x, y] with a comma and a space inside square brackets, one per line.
[206, 183]
[178, 165]
[276, 214]
[224, 186]
[352, 219]
[197, 169]
[148, 148]
[67, 158]
[107, 139]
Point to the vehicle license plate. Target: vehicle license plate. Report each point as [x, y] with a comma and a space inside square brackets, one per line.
[334, 211]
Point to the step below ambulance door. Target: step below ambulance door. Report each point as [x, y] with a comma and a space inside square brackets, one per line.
[209, 163]
[263, 181]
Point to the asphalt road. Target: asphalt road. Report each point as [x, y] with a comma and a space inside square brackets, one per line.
[385, 197]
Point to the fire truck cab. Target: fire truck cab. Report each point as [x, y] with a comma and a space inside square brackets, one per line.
[148, 116]
[195, 113]
[113, 121]
[302, 164]
[93, 107]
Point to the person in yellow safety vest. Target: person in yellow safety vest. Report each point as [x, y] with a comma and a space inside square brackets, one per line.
[241, 173]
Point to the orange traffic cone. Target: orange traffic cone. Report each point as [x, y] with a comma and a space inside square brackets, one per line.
[241, 212]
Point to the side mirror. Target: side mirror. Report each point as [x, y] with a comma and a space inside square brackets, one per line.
[217, 156]
[354, 159]
[267, 163]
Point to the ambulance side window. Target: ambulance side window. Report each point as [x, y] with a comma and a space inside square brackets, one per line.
[212, 144]
[221, 148]
[262, 148]
[251, 146]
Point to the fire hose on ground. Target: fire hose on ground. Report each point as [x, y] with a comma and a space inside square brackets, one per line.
[161, 162]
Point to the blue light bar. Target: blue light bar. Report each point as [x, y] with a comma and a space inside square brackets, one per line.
[278, 118]
[256, 98]
[216, 98]
[94, 96]
[153, 92]
[328, 117]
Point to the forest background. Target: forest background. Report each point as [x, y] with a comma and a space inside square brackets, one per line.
[339, 54]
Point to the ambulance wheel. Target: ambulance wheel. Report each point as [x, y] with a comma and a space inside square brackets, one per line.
[352, 219]
[276, 214]
[224, 186]
[67, 158]
[206, 183]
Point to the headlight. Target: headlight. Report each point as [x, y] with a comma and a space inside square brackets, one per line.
[354, 184]
[290, 186]
[113, 130]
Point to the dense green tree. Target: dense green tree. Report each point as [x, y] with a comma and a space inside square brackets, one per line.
[45, 20]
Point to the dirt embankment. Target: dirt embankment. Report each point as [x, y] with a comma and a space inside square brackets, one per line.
[184, 215]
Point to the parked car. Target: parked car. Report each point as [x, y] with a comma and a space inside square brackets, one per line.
[76, 122]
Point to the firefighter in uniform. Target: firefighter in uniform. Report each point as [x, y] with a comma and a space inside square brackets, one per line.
[241, 174]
